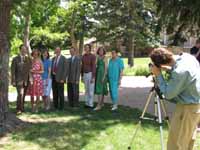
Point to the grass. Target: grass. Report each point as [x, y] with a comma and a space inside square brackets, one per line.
[81, 129]
[140, 67]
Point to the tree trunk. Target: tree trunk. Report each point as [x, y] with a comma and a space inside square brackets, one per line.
[5, 8]
[27, 32]
[73, 38]
[8, 121]
[82, 35]
[130, 33]
[177, 36]
[72, 32]
[81, 43]
[130, 49]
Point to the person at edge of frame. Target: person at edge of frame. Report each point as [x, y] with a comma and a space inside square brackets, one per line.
[195, 51]
[20, 68]
[182, 87]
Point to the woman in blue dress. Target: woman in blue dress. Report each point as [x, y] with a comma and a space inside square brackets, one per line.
[115, 72]
[46, 77]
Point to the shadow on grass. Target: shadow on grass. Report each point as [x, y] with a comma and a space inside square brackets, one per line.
[73, 129]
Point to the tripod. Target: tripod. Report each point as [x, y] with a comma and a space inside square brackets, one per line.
[159, 106]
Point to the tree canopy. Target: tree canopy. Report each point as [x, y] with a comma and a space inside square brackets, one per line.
[179, 18]
[53, 24]
[46, 23]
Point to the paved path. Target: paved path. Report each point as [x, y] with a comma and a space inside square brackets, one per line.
[133, 93]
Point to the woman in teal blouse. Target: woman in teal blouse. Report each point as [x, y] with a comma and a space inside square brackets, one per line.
[115, 71]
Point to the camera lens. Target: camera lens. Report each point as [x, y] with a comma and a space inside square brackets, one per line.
[150, 65]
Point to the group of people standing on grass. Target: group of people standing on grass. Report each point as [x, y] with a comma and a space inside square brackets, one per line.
[37, 74]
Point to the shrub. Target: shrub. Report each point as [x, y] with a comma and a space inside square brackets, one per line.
[136, 71]
[141, 71]
[15, 43]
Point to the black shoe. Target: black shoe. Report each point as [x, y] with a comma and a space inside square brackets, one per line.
[90, 107]
[61, 109]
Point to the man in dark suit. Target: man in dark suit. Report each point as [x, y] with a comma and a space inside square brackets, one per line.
[73, 78]
[20, 69]
[59, 73]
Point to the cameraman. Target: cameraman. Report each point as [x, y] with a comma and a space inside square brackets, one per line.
[183, 87]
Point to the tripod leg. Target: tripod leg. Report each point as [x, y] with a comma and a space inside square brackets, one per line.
[160, 122]
[146, 105]
[141, 117]
[165, 112]
[155, 108]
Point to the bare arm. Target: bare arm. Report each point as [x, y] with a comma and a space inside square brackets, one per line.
[49, 74]
[121, 70]
[105, 68]
[42, 68]
[38, 71]
[93, 66]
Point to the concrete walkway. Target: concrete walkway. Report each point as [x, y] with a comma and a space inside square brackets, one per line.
[133, 93]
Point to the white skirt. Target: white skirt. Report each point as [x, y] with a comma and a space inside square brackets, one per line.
[47, 83]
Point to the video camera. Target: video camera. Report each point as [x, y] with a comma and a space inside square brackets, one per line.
[155, 87]
[150, 65]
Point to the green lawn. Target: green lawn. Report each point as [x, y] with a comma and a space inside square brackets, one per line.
[81, 129]
[140, 67]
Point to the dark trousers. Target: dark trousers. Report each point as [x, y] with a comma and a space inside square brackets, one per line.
[58, 94]
[21, 93]
[73, 94]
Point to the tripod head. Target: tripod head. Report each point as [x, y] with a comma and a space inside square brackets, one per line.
[155, 86]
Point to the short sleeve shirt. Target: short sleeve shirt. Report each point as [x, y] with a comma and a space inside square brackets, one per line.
[114, 69]
[46, 65]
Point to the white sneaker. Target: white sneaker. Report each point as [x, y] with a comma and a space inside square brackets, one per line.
[114, 107]
[97, 108]
[47, 108]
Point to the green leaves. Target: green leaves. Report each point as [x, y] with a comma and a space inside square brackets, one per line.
[119, 19]
[181, 18]
[47, 38]
[106, 20]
